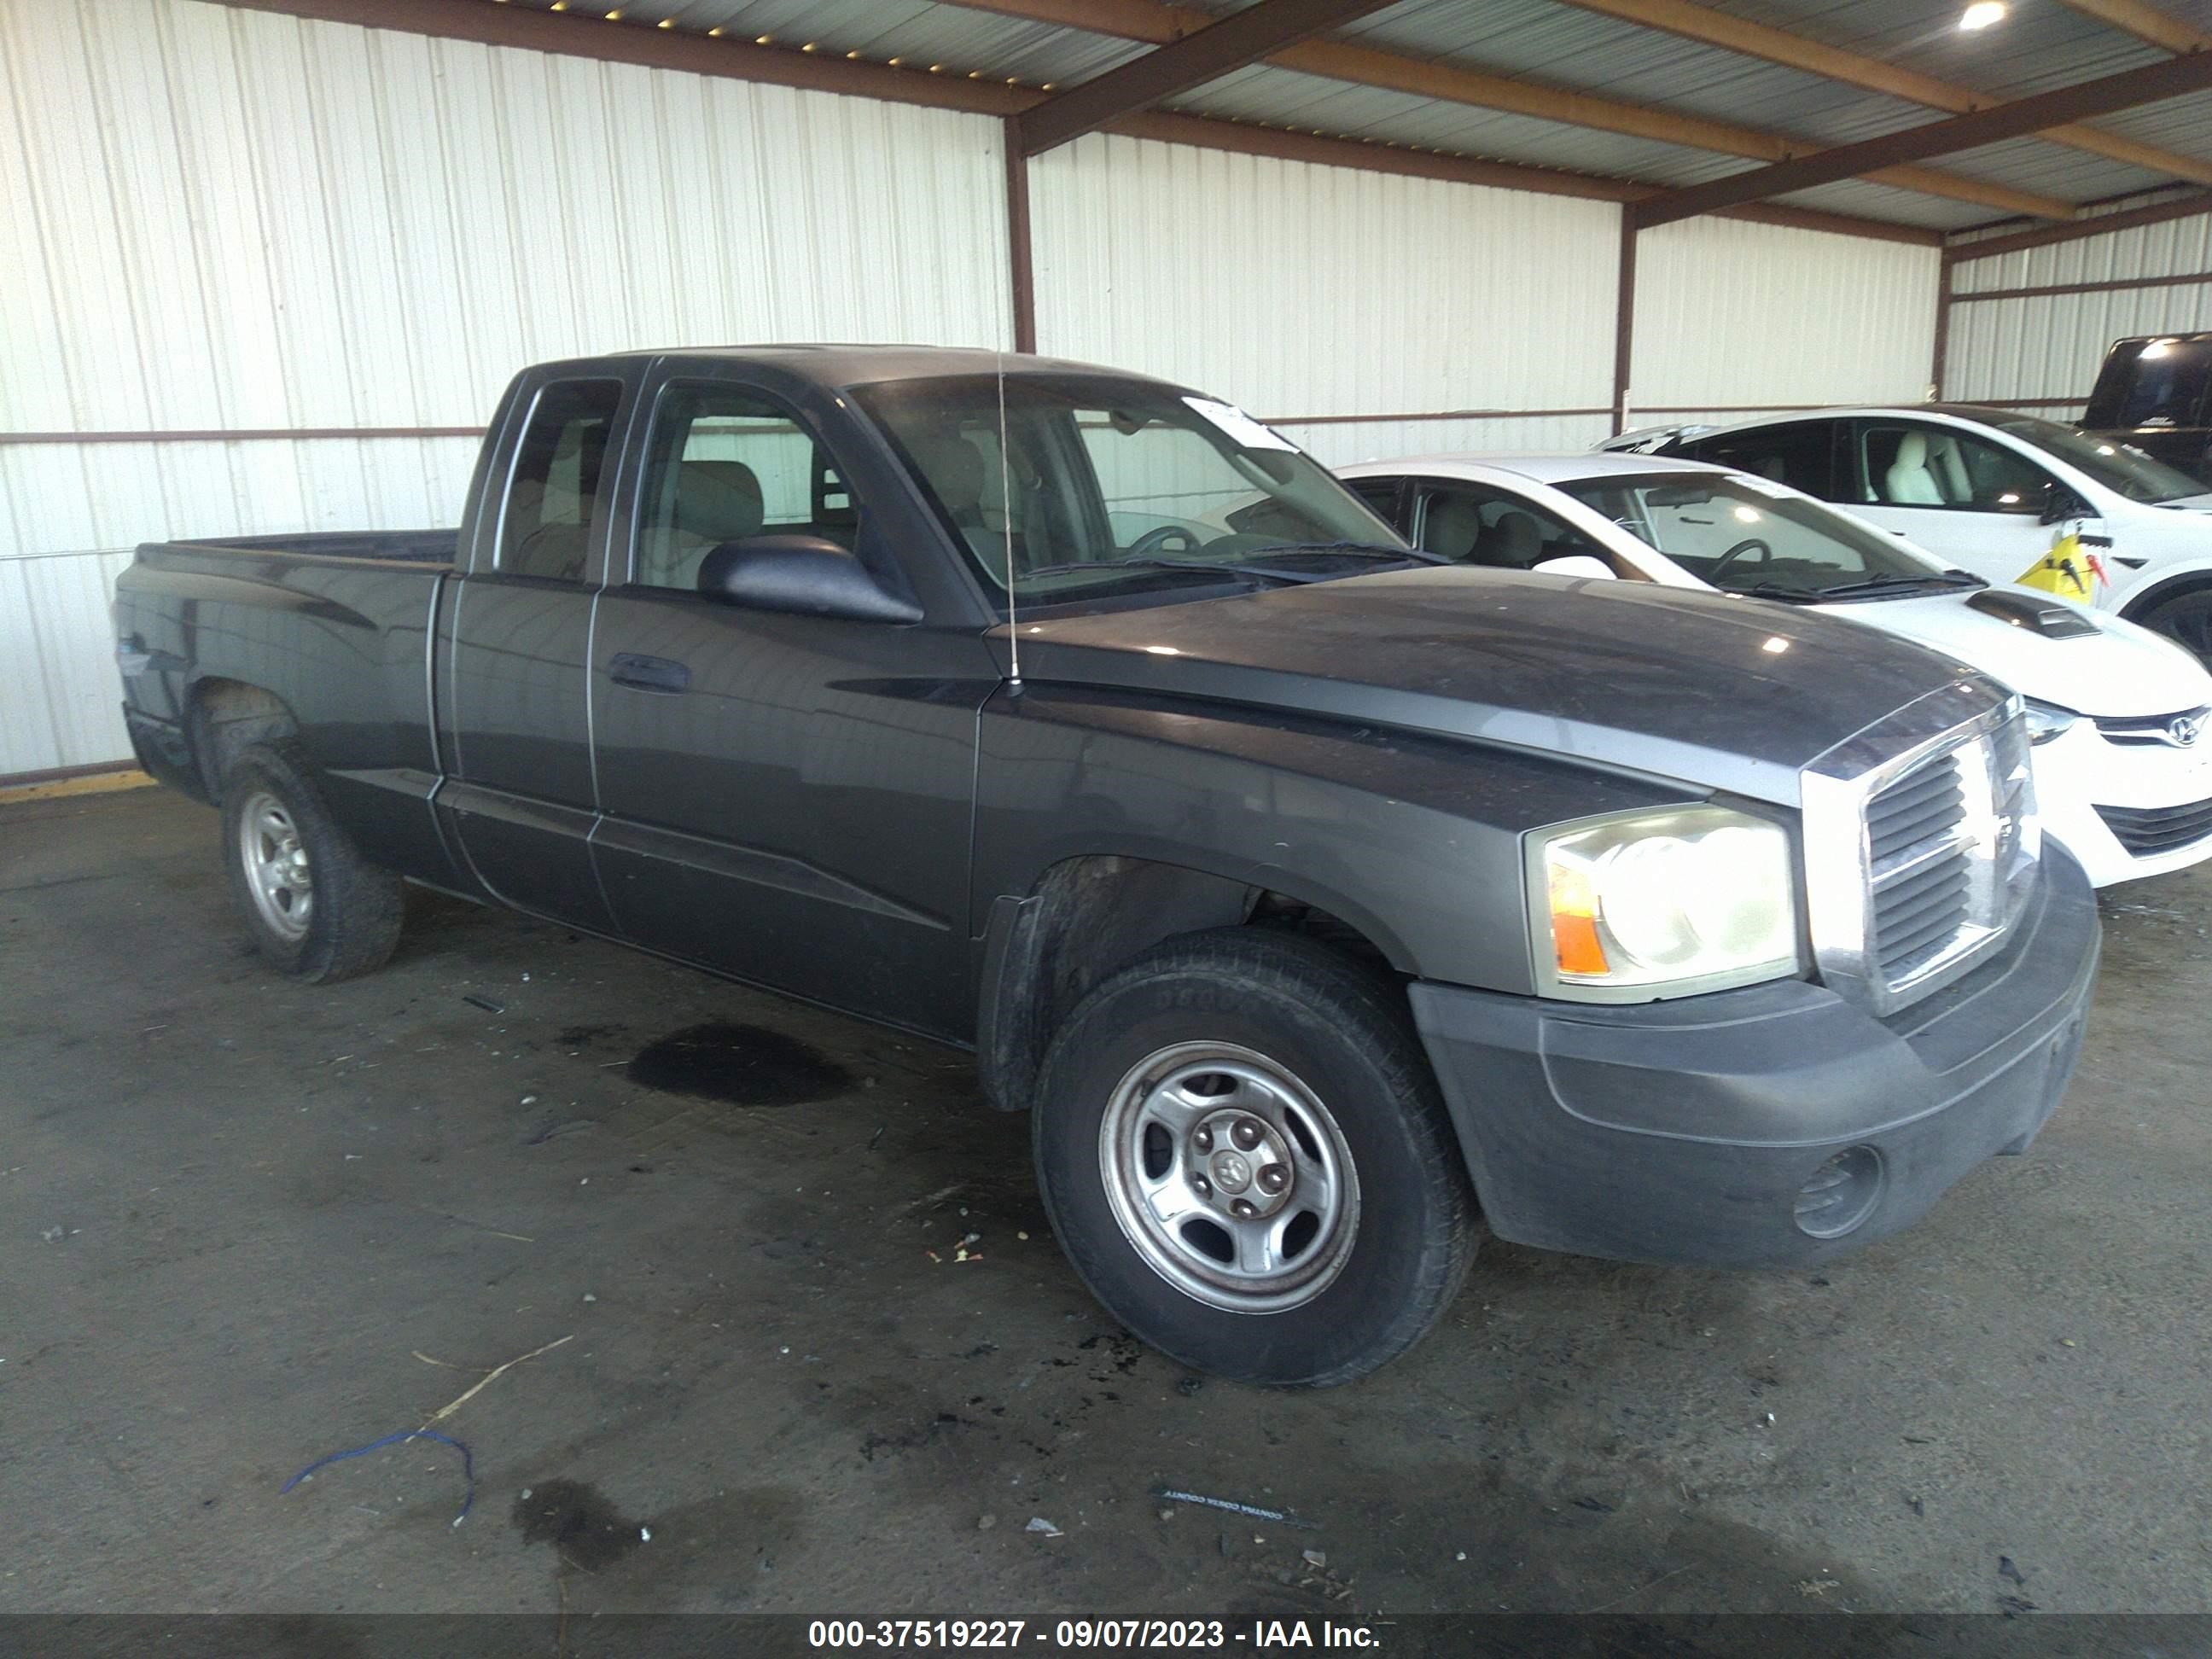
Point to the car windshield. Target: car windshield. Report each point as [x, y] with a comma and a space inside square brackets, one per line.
[1745, 535]
[2121, 468]
[1107, 487]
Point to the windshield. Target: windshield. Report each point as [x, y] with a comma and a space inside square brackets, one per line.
[1109, 487]
[2121, 468]
[1745, 535]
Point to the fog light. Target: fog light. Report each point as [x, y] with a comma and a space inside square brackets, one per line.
[1841, 1194]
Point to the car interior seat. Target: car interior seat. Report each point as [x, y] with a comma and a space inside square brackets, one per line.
[1910, 479]
[1514, 542]
[1453, 527]
[716, 502]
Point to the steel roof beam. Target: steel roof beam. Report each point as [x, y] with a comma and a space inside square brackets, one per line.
[1707, 27]
[2170, 77]
[1207, 54]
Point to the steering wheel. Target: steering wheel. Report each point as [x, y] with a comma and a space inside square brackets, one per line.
[1737, 552]
[1154, 542]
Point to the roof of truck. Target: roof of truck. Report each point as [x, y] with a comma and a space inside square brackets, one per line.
[842, 365]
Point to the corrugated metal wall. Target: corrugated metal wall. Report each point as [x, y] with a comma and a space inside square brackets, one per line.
[2046, 349]
[225, 219]
[1295, 289]
[1728, 313]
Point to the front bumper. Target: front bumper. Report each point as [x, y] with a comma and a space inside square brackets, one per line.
[2080, 770]
[1688, 1131]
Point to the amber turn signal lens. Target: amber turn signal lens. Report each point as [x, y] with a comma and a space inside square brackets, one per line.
[1574, 923]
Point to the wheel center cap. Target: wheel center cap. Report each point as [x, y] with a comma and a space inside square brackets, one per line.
[1232, 1172]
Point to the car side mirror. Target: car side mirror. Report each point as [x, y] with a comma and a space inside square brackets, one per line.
[1574, 564]
[2060, 504]
[803, 575]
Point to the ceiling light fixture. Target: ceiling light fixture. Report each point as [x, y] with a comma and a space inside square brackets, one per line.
[1981, 15]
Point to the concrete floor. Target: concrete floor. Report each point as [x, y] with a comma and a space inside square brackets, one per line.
[248, 1223]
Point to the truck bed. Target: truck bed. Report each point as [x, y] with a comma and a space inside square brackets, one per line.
[431, 547]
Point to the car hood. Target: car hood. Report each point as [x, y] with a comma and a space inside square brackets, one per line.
[1703, 689]
[2119, 670]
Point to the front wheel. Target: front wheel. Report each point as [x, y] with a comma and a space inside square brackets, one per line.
[314, 907]
[1243, 1153]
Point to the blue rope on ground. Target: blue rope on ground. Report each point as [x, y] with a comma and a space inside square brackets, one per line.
[468, 1463]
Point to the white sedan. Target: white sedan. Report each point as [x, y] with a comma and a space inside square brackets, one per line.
[2122, 718]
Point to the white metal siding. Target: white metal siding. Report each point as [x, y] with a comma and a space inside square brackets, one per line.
[1729, 312]
[2047, 349]
[225, 219]
[1341, 443]
[1299, 289]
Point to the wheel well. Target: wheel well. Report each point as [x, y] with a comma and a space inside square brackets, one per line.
[1087, 917]
[2158, 593]
[227, 717]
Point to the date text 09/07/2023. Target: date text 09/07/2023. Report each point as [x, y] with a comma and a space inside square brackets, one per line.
[1256, 1635]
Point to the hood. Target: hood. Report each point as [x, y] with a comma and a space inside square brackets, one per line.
[1664, 683]
[2120, 669]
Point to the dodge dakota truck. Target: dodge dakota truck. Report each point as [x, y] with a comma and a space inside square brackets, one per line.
[1320, 906]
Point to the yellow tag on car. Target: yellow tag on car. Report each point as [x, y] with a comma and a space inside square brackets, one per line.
[2065, 571]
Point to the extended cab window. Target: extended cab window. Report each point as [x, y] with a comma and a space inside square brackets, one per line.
[723, 464]
[1798, 453]
[546, 530]
[1470, 524]
[1935, 466]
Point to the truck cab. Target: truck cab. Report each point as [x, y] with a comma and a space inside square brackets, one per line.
[2154, 393]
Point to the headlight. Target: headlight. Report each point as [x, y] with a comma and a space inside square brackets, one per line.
[2046, 720]
[1665, 903]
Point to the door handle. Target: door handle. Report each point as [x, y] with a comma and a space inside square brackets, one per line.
[643, 673]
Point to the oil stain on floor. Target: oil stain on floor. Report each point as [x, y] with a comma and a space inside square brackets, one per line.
[583, 1527]
[741, 1065]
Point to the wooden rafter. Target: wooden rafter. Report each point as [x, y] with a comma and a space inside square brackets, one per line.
[2146, 22]
[2170, 77]
[1157, 22]
[1207, 54]
[1707, 26]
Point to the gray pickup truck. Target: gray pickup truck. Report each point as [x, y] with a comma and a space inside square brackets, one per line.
[1315, 902]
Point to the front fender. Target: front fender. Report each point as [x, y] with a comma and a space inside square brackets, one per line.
[1412, 839]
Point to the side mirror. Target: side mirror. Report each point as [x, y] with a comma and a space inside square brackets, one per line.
[1574, 564]
[2060, 504]
[804, 575]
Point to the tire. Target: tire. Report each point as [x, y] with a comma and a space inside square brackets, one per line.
[2186, 619]
[314, 907]
[1281, 1053]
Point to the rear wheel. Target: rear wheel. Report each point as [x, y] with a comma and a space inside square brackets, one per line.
[312, 906]
[2186, 619]
[1243, 1153]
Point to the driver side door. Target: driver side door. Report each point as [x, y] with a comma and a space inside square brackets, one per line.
[786, 797]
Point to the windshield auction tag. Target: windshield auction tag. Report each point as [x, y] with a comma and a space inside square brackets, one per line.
[1241, 428]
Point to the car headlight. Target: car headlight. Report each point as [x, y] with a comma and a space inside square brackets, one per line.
[2046, 720]
[1662, 904]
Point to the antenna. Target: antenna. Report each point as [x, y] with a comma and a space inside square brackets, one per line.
[1007, 530]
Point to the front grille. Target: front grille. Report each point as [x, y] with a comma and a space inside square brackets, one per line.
[2178, 731]
[2147, 830]
[1917, 848]
[1921, 845]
